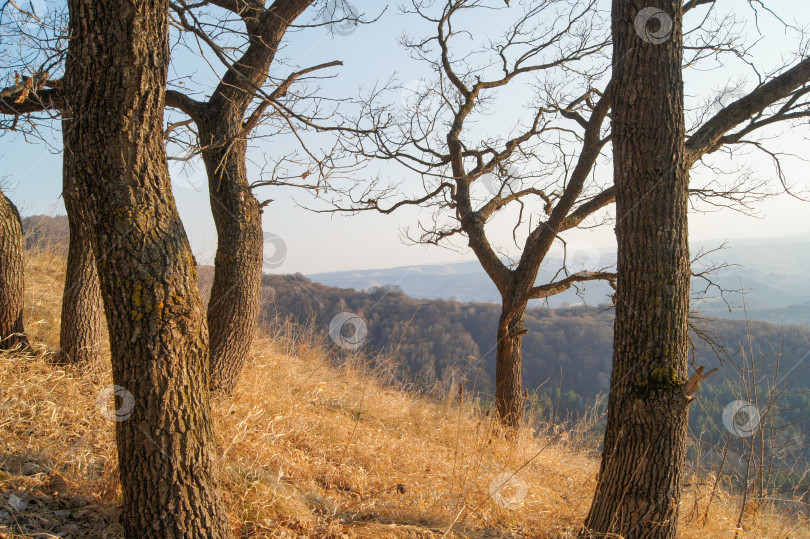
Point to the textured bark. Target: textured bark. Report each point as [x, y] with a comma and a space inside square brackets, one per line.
[81, 336]
[115, 81]
[508, 369]
[12, 281]
[639, 483]
[233, 308]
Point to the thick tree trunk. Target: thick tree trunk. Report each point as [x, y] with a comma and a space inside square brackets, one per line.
[233, 308]
[639, 483]
[12, 281]
[82, 326]
[508, 369]
[114, 84]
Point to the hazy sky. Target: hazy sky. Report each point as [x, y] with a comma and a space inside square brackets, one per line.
[319, 243]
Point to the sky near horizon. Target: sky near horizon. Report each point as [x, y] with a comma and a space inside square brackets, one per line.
[315, 243]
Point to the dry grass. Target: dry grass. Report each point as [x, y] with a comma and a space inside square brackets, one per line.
[308, 450]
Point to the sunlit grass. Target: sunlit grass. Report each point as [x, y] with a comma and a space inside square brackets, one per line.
[309, 448]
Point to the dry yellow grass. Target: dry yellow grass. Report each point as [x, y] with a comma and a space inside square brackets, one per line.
[308, 449]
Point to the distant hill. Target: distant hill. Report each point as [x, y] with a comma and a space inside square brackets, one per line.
[432, 345]
[775, 275]
[441, 342]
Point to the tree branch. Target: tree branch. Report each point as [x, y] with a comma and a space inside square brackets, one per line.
[552, 289]
[708, 138]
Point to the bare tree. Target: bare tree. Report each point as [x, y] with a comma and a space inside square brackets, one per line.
[81, 332]
[474, 178]
[542, 173]
[224, 123]
[220, 128]
[639, 484]
[114, 89]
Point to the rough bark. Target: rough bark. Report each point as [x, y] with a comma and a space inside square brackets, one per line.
[639, 482]
[12, 281]
[81, 335]
[115, 80]
[233, 309]
[508, 370]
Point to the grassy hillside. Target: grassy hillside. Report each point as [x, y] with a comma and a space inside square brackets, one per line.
[309, 448]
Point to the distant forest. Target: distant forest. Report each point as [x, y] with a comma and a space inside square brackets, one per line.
[567, 351]
[432, 345]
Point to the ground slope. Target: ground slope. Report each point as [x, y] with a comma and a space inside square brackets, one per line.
[308, 449]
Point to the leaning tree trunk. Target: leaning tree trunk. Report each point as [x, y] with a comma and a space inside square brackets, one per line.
[639, 483]
[12, 281]
[82, 326]
[508, 368]
[115, 81]
[233, 308]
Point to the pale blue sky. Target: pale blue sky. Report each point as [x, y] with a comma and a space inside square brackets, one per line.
[318, 243]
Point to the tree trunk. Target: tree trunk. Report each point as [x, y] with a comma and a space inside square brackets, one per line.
[82, 326]
[508, 369]
[115, 80]
[639, 483]
[12, 281]
[233, 309]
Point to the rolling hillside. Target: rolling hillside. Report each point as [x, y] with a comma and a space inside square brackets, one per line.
[313, 445]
